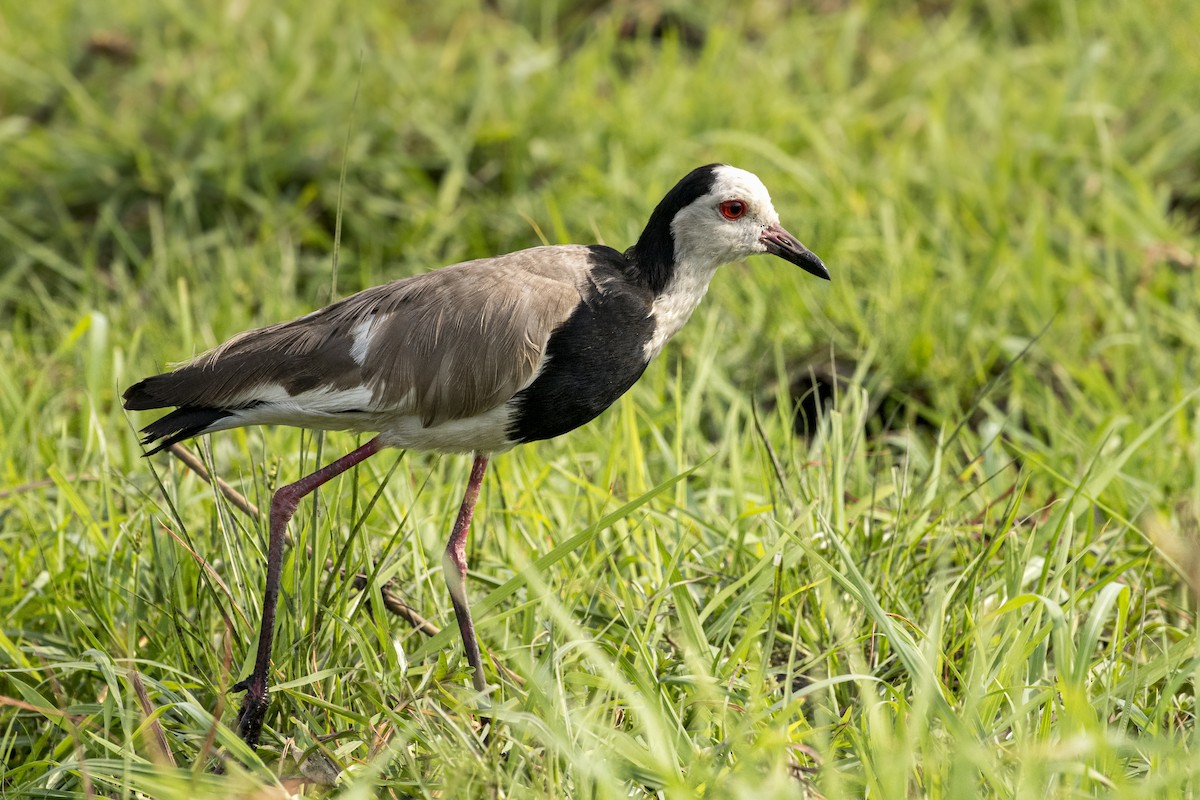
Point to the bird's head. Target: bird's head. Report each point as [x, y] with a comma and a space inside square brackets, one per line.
[735, 219]
[715, 215]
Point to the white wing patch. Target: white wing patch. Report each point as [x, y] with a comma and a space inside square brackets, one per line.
[363, 336]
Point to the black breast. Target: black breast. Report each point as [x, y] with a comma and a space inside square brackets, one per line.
[593, 358]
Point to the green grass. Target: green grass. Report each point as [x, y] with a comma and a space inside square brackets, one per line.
[977, 579]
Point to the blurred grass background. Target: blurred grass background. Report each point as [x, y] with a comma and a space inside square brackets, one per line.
[931, 530]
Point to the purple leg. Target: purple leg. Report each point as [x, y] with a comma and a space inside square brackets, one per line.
[455, 568]
[283, 505]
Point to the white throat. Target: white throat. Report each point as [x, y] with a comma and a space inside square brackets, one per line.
[675, 305]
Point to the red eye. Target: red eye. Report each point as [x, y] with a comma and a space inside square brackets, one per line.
[733, 209]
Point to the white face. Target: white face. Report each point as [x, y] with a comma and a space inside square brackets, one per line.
[727, 224]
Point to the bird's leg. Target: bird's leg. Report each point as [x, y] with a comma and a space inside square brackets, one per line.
[283, 505]
[454, 565]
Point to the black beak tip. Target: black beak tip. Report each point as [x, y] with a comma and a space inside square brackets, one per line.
[814, 266]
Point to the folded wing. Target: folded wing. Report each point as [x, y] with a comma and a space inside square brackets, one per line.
[441, 346]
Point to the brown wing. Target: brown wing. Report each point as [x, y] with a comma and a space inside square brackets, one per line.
[455, 346]
[444, 345]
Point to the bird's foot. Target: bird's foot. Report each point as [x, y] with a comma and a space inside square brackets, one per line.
[254, 707]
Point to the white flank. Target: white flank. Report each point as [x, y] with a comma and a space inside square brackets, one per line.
[351, 410]
[484, 433]
[322, 408]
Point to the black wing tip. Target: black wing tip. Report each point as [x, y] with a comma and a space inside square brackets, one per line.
[182, 423]
[140, 396]
[163, 445]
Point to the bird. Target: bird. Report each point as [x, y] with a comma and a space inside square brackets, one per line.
[476, 358]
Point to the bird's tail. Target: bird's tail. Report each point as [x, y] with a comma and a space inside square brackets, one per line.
[182, 423]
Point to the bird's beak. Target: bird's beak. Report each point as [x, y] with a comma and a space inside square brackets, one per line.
[781, 243]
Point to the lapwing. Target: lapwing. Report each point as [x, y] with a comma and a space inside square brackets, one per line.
[476, 358]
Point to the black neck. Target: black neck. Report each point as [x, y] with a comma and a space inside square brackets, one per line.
[654, 254]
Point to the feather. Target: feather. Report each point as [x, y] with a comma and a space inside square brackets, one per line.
[445, 345]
